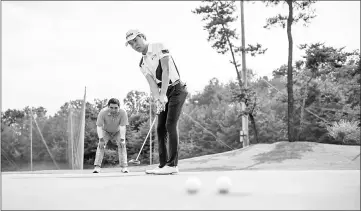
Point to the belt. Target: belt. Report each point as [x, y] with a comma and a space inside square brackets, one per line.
[172, 84]
[175, 83]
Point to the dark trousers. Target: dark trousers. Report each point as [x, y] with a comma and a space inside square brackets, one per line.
[168, 125]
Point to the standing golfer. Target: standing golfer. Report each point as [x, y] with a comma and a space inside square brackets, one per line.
[169, 91]
[111, 126]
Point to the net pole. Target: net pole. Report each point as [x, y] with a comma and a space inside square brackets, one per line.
[71, 138]
[82, 132]
[244, 71]
[31, 142]
[150, 127]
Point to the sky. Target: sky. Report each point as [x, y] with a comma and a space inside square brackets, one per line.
[52, 50]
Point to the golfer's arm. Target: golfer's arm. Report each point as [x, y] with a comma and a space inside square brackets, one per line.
[122, 130]
[153, 86]
[100, 132]
[165, 76]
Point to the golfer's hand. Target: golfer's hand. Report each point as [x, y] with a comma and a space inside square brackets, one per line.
[163, 99]
[102, 143]
[160, 106]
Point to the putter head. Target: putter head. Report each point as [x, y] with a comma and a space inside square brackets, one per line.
[136, 162]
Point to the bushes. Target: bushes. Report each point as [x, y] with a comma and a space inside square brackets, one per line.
[110, 157]
[345, 132]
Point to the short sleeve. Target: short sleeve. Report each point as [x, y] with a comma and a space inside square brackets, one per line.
[123, 117]
[100, 119]
[162, 50]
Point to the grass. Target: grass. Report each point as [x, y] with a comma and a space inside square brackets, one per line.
[276, 156]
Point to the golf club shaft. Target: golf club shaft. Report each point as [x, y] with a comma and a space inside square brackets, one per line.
[150, 129]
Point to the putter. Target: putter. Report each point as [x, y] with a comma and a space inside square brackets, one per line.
[136, 161]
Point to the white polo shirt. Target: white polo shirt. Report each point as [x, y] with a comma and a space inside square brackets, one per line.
[150, 63]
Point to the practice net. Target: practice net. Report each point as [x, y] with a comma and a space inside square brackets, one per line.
[75, 137]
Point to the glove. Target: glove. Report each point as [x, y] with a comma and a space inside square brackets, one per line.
[160, 106]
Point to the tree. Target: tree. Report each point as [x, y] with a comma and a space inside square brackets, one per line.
[219, 16]
[305, 14]
[247, 96]
[136, 101]
[15, 134]
[325, 87]
[271, 107]
[209, 123]
[320, 60]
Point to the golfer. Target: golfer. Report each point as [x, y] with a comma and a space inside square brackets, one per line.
[111, 126]
[158, 67]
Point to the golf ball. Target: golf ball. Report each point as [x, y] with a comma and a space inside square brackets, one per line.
[193, 184]
[223, 184]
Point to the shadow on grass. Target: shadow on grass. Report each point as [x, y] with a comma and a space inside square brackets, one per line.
[284, 151]
[216, 156]
[220, 168]
[215, 168]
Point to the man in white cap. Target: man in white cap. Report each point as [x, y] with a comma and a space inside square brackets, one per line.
[168, 90]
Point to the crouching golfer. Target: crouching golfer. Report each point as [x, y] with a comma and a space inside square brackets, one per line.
[111, 126]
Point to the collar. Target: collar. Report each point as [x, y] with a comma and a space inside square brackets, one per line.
[150, 49]
[115, 115]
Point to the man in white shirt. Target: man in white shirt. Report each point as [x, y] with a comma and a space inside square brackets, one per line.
[111, 126]
[170, 92]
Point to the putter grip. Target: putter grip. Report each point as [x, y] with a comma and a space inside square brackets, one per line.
[160, 107]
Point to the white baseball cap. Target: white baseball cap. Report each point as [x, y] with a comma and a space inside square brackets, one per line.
[131, 34]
